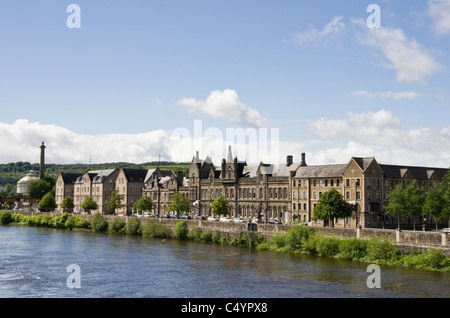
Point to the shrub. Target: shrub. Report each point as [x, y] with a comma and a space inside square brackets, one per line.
[327, 246]
[152, 228]
[116, 226]
[248, 238]
[59, 222]
[6, 217]
[352, 249]
[380, 249]
[78, 222]
[278, 240]
[206, 236]
[194, 233]
[180, 231]
[41, 220]
[296, 237]
[215, 237]
[133, 227]
[19, 219]
[99, 223]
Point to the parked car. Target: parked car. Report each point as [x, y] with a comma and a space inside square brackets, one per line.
[273, 222]
[446, 230]
[225, 219]
[211, 218]
[153, 216]
[200, 217]
[239, 220]
[186, 217]
[165, 216]
[173, 216]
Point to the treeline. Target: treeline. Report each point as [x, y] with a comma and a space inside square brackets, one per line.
[11, 173]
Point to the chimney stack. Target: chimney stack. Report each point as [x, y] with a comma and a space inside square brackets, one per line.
[42, 168]
[303, 162]
[289, 160]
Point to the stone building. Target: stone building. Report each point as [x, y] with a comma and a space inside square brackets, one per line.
[129, 183]
[65, 183]
[99, 184]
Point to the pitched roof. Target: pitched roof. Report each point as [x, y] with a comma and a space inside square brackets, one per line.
[322, 171]
[70, 178]
[424, 173]
[135, 175]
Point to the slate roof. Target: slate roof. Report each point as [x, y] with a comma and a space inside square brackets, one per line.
[70, 178]
[424, 173]
[135, 175]
[322, 171]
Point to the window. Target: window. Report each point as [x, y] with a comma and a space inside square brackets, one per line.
[305, 184]
[294, 195]
[337, 182]
[331, 182]
[293, 183]
[347, 182]
[347, 195]
[369, 182]
[326, 183]
[304, 206]
[304, 195]
[293, 206]
[314, 183]
[358, 195]
[320, 183]
[314, 195]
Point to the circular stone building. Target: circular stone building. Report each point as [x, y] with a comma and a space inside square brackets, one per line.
[22, 185]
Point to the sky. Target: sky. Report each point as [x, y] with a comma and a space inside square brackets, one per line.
[136, 81]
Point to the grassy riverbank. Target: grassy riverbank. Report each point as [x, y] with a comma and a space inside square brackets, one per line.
[299, 239]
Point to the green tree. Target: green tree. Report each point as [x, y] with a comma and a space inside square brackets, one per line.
[143, 204]
[67, 203]
[89, 204]
[37, 189]
[179, 203]
[47, 203]
[434, 204]
[331, 206]
[397, 204]
[220, 206]
[414, 200]
[446, 195]
[115, 201]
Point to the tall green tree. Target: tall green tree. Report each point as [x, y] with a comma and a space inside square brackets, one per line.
[179, 203]
[414, 200]
[115, 201]
[47, 203]
[397, 204]
[332, 206]
[89, 204]
[67, 203]
[143, 204]
[434, 204]
[220, 206]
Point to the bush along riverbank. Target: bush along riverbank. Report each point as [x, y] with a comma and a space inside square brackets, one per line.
[298, 239]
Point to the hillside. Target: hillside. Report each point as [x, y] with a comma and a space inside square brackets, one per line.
[14, 171]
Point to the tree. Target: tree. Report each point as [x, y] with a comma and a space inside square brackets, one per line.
[67, 203]
[332, 206]
[115, 201]
[220, 206]
[434, 204]
[89, 204]
[143, 204]
[179, 203]
[414, 200]
[47, 203]
[38, 188]
[396, 205]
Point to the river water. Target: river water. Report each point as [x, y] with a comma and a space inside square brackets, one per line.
[36, 263]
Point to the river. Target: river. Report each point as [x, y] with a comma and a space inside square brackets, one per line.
[48, 263]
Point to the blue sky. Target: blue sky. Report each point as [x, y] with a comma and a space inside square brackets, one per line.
[117, 87]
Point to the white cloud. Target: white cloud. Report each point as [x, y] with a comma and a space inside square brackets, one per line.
[334, 27]
[439, 11]
[385, 95]
[226, 105]
[412, 62]
[380, 134]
